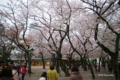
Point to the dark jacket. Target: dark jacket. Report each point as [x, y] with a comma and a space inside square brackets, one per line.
[110, 68]
[75, 76]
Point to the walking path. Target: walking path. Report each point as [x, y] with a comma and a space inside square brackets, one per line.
[102, 75]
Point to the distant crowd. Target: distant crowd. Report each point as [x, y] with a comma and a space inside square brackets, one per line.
[109, 66]
[52, 74]
[11, 72]
[17, 72]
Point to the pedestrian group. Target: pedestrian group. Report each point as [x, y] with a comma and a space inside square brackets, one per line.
[52, 74]
[11, 72]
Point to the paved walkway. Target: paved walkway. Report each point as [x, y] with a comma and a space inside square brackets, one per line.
[102, 75]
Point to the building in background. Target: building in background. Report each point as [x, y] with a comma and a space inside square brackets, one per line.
[32, 27]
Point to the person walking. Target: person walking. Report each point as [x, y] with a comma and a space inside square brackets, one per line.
[96, 68]
[52, 74]
[22, 72]
[43, 76]
[18, 67]
[7, 74]
[110, 69]
[15, 73]
[75, 75]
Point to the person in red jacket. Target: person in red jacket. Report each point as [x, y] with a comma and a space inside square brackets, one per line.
[22, 72]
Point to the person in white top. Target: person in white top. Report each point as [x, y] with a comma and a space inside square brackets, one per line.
[43, 76]
[15, 73]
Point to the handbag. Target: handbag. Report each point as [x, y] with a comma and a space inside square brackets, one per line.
[51, 76]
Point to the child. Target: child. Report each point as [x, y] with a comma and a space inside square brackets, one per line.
[43, 76]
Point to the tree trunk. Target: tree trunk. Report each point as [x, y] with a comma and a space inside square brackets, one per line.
[53, 59]
[43, 62]
[29, 63]
[91, 69]
[58, 65]
[70, 62]
[82, 62]
[92, 72]
[5, 61]
[59, 57]
[64, 69]
[99, 65]
[115, 58]
[116, 69]
[85, 65]
[25, 60]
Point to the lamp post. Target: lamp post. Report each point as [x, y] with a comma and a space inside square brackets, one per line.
[30, 52]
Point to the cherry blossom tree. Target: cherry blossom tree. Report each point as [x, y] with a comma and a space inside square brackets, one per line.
[57, 24]
[55, 21]
[39, 47]
[65, 27]
[6, 45]
[107, 13]
[17, 16]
